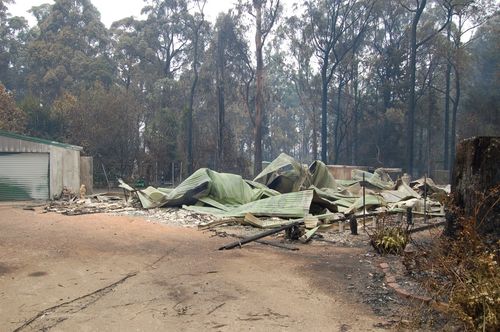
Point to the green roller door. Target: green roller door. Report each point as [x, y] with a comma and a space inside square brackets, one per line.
[24, 176]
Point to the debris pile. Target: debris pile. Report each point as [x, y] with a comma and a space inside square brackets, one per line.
[70, 205]
[289, 189]
[298, 199]
[286, 196]
[171, 216]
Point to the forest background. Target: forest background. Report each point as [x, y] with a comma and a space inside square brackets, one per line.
[356, 82]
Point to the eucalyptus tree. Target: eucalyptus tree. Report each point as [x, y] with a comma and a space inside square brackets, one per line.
[330, 22]
[129, 51]
[233, 73]
[197, 25]
[466, 17]
[152, 54]
[265, 13]
[389, 45]
[70, 49]
[285, 118]
[416, 42]
[305, 81]
[165, 33]
[13, 34]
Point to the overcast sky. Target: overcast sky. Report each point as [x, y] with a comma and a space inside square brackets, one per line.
[113, 10]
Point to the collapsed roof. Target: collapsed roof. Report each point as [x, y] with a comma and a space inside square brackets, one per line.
[287, 188]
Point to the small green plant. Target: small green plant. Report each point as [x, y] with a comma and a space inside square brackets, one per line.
[389, 238]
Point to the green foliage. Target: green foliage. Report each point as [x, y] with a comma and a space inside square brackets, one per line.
[105, 122]
[144, 69]
[39, 123]
[69, 49]
[161, 135]
[389, 240]
[13, 35]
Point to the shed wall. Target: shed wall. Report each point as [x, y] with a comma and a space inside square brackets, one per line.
[64, 164]
[87, 173]
[64, 170]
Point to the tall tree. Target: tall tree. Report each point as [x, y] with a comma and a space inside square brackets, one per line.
[196, 23]
[223, 29]
[230, 52]
[160, 59]
[417, 11]
[13, 34]
[330, 23]
[265, 14]
[70, 49]
[166, 34]
[129, 51]
[467, 16]
[446, 159]
[297, 31]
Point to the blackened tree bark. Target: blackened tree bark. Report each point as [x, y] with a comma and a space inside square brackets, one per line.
[335, 35]
[196, 31]
[446, 159]
[259, 87]
[262, 30]
[414, 45]
[220, 66]
[410, 117]
[454, 115]
[475, 184]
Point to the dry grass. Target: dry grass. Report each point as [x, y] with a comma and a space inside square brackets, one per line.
[465, 273]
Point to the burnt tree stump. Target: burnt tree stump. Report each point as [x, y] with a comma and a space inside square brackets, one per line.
[475, 184]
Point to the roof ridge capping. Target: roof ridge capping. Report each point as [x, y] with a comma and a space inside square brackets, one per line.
[39, 140]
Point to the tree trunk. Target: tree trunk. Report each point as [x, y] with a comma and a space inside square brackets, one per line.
[410, 117]
[304, 149]
[454, 116]
[410, 127]
[221, 123]
[432, 107]
[315, 134]
[420, 143]
[337, 141]
[446, 159]
[259, 97]
[354, 156]
[324, 111]
[220, 63]
[475, 184]
[190, 109]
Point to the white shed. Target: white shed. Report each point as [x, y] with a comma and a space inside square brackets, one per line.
[35, 168]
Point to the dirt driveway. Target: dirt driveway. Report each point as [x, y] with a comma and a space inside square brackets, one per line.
[109, 273]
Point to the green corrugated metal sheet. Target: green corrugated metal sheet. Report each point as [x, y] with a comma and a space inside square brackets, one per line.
[292, 205]
[222, 188]
[24, 176]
